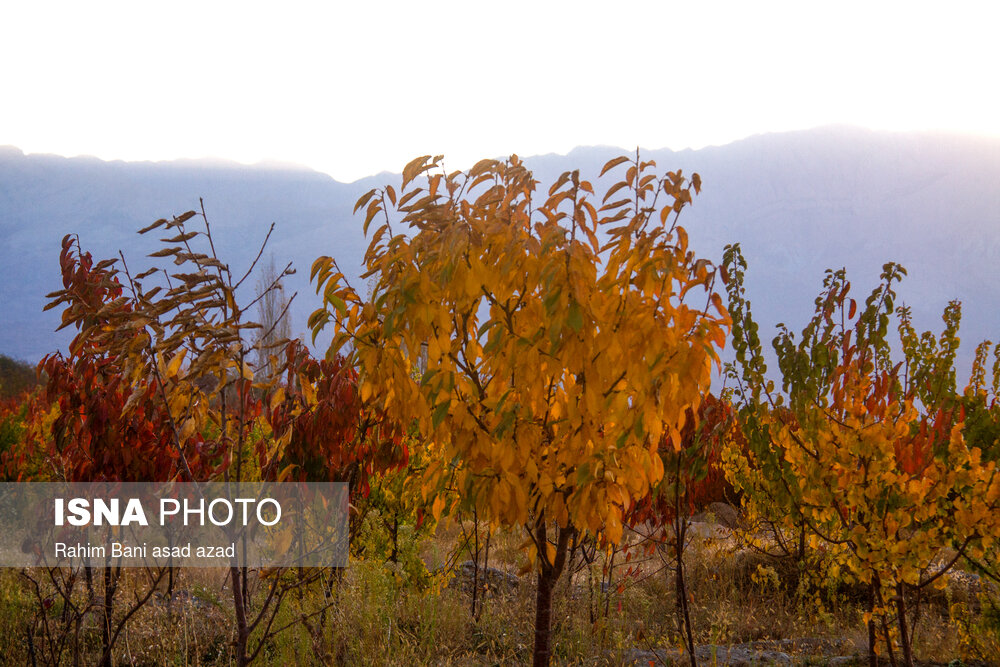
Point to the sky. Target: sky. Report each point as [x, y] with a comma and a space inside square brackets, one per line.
[352, 89]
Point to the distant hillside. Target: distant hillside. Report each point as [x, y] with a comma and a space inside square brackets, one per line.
[43, 198]
[798, 203]
[16, 377]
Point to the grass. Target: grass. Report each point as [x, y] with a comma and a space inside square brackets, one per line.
[379, 614]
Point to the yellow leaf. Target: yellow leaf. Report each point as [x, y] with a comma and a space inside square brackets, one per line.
[437, 507]
[278, 397]
[187, 430]
[173, 368]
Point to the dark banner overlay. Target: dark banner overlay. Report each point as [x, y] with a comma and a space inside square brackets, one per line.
[259, 525]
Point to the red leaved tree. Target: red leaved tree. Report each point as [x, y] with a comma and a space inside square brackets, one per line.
[692, 479]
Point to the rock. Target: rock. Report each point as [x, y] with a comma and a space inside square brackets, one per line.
[495, 580]
[708, 532]
[964, 584]
[721, 513]
[959, 586]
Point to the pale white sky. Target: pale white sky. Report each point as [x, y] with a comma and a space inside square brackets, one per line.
[356, 88]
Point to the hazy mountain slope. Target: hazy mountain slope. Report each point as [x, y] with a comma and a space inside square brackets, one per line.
[42, 198]
[802, 202]
[797, 202]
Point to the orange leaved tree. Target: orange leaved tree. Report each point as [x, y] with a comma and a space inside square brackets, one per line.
[558, 340]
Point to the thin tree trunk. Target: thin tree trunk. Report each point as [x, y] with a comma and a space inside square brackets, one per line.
[486, 567]
[31, 647]
[680, 532]
[872, 656]
[888, 642]
[606, 582]
[394, 554]
[904, 635]
[475, 562]
[569, 566]
[109, 598]
[242, 633]
[885, 624]
[682, 605]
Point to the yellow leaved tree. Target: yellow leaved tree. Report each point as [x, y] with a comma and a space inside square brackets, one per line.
[557, 341]
[861, 456]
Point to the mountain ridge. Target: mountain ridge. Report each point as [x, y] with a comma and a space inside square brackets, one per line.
[798, 202]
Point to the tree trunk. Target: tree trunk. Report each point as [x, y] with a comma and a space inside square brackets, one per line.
[31, 647]
[888, 642]
[239, 606]
[543, 620]
[486, 567]
[88, 574]
[682, 605]
[475, 563]
[885, 624]
[548, 575]
[108, 612]
[394, 554]
[904, 635]
[872, 656]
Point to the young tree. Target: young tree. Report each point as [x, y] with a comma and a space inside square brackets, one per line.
[869, 459]
[105, 429]
[180, 334]
[274, 319]
[692, 477]
[332, 437]
[555, 363]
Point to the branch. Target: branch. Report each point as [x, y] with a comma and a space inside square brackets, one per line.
[256, 259]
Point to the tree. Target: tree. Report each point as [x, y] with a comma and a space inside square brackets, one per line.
[865, 455]
[554, 363]
[179, 335]
[692, 478]
[17, 460]
[16, 377]
[104, 429]
[332, 436]
[272, 315]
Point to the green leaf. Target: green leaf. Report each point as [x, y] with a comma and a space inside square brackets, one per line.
[440, 412]
[575, 316]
